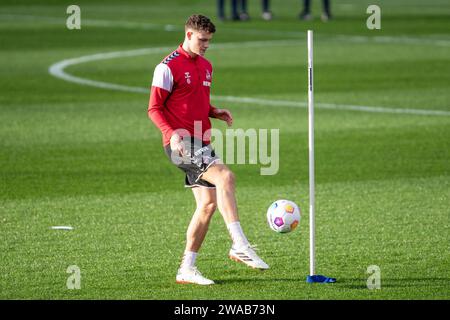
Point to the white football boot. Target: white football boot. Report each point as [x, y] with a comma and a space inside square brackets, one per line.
[248, 256]
[192, 275]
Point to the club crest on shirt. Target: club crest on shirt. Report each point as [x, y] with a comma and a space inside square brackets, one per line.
[187, 77]
[208, 75]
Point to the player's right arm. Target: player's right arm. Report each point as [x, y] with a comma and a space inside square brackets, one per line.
[162, 86]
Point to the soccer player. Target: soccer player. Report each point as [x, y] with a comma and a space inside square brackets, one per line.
[180, 107]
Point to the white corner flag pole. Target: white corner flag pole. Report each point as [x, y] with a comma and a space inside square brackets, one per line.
[311, 156]
[313, 277]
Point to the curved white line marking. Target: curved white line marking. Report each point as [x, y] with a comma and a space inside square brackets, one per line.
[57, 70]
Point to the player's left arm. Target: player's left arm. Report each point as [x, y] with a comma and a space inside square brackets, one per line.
[221, 114]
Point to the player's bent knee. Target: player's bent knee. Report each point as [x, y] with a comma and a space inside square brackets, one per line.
[227, 177]
[208, 208]
[220, 175]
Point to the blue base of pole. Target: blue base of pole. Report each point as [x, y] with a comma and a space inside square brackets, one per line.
[317, 278]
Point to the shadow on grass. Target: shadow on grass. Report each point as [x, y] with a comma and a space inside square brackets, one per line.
[414, 282]
[268, 280]
[361, 284]
[346, 283]
[251, 280]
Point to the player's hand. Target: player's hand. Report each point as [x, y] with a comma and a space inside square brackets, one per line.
[177, 144]
[225, 115]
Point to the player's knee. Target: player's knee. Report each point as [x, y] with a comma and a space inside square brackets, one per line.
[227, 178]
[208, 207]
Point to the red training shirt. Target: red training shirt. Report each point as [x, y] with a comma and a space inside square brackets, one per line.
[180, 95]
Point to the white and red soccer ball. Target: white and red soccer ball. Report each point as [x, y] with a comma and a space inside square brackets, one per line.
[283, 216]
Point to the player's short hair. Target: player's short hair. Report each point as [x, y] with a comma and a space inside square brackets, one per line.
[199, 22]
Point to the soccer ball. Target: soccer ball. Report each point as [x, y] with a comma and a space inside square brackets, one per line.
[283, 216]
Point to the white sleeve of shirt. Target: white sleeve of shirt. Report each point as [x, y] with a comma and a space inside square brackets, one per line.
[162, 77]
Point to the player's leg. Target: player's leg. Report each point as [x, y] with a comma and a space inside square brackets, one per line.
[221, 9]
[222, 177]
[266, 13]
[234, 10]
[205, 199]
[243, 15]
[306, 13]
[326, 13]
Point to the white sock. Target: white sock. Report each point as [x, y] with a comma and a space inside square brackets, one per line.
[188, 259]
[237, 234]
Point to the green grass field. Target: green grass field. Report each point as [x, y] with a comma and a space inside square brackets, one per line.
[88, 157]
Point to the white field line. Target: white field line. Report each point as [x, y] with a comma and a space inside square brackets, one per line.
[287, 103]
[401, 39]
[57, 70]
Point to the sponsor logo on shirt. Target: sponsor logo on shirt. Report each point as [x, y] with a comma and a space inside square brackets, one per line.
[187, 77]
[207, 83]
